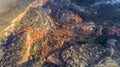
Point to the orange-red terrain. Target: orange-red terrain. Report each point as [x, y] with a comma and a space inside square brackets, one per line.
[59, 33]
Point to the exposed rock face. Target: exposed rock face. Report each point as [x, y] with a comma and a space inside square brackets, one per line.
[66, 33]
[108, 62]
[10, 9]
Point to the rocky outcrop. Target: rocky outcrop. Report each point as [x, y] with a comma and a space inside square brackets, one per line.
[60, 33]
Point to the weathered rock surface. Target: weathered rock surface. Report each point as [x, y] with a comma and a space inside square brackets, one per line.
[64, 33]
[10, 9]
